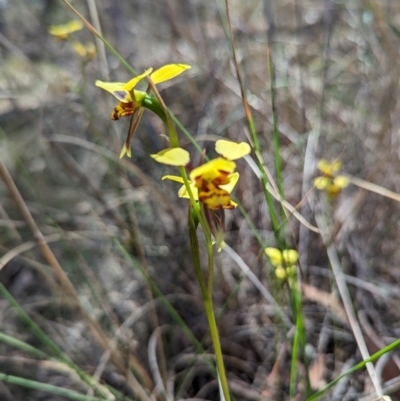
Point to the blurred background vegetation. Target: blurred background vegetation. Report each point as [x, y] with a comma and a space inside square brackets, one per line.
[120, 233]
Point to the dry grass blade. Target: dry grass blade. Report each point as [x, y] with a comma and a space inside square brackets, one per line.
[154, 366]
[369, 186]
[273, 190]
[347, 302]
[99, 44]
[62, 277]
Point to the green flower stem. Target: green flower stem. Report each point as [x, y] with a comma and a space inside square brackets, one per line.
[194, 245]
[206, 292]
[200, 215]
[217, 346]
[154, 105]
[295, 355]
[210, 255]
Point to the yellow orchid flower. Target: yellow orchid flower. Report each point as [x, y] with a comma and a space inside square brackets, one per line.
[86, 52]
[183, 193]
[329, 182]
[283, 261]
[213, 181]
[209, 180]
[329, 169]
[131, 100]
[62, 32]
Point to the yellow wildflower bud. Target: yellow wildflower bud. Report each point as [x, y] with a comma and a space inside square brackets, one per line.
[280, 272]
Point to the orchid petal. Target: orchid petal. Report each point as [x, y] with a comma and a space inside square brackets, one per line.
[321, 183]
[117, 89]
[280, 272]
[290, 257]
[168, 72]
[341, 182]
[173, 178]
[232, 150]
[172, 157]
[125, 151]
[183, 193]
[134, 81]
[233, 179]
[275, 256]
[328, 168]
[212, 169]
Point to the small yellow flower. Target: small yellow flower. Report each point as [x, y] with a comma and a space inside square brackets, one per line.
[284, 261]
[130, 99]
[329, 182]
[209, 180]
[329, 169]
[62, 32]
[86, 52]
[183, 193]
[212, 182]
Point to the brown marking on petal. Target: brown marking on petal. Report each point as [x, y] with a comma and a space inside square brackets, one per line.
[222, 179]
[214, 197]
[115, 114]
[127, 106]
[122, 110]
[198, 181]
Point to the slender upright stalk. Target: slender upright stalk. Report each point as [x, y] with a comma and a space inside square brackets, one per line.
[206, 292]
[206, 289]
[217, 346]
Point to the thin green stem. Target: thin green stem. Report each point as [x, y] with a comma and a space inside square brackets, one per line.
[359, 366]
[275, 131]
[295, 354]
[217, 346]
[206, 292]
[253, 132]
[210, 273]
[63, 392]
[194, 245]
[23, 346]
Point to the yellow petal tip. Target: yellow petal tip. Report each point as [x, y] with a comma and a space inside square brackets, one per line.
[167, 72]
[125, 151]
[232, 150]
[172, 157]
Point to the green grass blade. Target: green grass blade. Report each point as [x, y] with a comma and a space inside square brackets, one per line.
[359, 366]
[34, 385]
[42, 336]
[23, 346]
